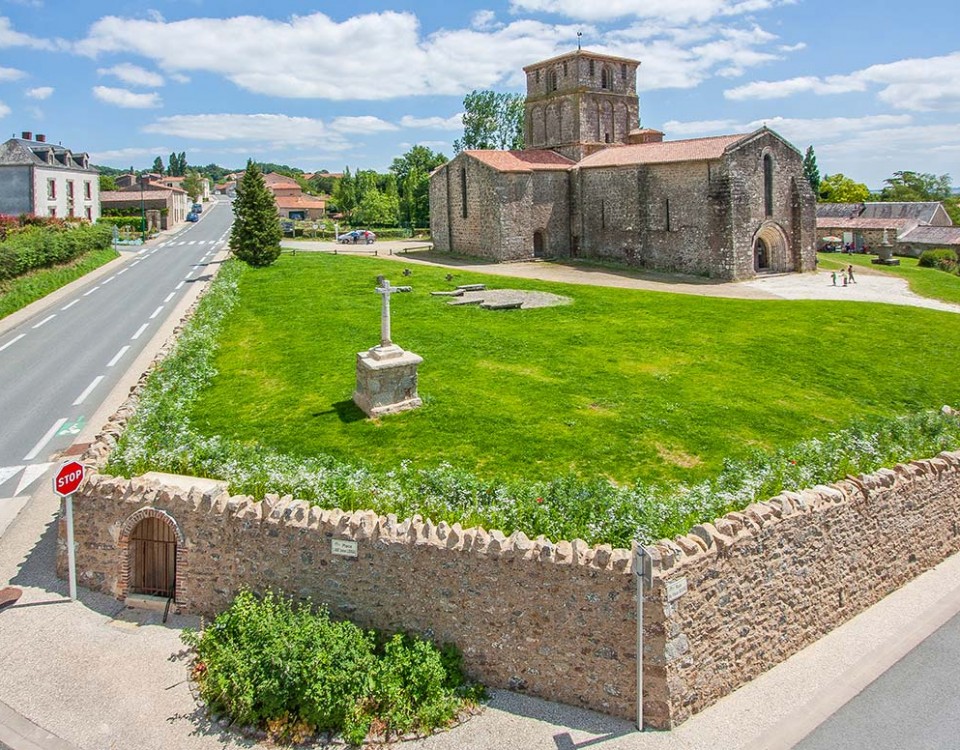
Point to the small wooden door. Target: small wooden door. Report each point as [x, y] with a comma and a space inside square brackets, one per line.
[153, 558]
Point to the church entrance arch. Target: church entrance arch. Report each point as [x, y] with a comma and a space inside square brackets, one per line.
[538, 244]
[771, 251]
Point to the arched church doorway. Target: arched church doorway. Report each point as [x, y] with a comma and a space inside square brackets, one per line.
[153, 558]
[761, 256]
[538, 244]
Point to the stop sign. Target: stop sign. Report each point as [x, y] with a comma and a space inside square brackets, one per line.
[68, 478]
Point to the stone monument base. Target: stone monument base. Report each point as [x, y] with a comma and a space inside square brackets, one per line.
[387, 381]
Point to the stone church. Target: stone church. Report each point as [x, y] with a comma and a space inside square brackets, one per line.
[592, 184]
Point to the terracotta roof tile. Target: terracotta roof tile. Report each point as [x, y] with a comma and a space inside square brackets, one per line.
[522, 161]
[299, 201]
[693, 149]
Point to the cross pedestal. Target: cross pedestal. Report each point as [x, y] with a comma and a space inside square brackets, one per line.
[386, 374]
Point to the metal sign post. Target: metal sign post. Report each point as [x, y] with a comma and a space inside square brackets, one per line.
[65, 483]
[642, 573]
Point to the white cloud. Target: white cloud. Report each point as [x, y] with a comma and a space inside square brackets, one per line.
[11, 74]
[126, 155]
[363, 124]
[126, 99]
[433, 123]
[675, 11]
[11, 38]
[133, 75]
[796, 130]
[485, 20]
[4, 110]
[40, 93]
[277, 131]
[919, 84]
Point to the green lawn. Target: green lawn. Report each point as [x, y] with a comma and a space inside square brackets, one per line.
[17, 293]
[622, 384]
[927, 282]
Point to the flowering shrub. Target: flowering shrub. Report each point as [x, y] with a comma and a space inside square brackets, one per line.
[160, 437]
[42, 242]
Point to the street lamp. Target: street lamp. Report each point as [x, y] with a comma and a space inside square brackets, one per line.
[143, 216]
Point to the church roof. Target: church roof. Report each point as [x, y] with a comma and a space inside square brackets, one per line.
[581, 53]
[839, 210]
[522, 161]
[693, 149]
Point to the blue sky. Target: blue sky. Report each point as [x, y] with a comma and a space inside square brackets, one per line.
[875, 88]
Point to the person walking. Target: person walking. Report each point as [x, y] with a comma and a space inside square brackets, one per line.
[850, 274]
[834, 277]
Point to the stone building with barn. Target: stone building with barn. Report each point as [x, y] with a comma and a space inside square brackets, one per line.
[592, 184]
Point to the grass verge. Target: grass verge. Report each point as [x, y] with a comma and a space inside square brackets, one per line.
[17, 293]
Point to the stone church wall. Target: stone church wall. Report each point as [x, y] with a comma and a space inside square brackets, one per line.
[480, 232]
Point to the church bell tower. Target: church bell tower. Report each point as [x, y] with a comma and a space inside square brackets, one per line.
[580, 102]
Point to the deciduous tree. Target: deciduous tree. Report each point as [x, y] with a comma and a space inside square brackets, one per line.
[491, 120]
[256, 234]
[413, 179]
[193, 185]
[838, 188]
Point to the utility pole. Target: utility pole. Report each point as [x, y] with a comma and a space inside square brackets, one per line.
[143, 215]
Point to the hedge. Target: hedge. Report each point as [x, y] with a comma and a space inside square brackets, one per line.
[43, 246]
[943, 258]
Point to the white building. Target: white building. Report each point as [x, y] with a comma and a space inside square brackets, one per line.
[45, 179]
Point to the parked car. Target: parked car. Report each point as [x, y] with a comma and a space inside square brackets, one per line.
[197, 208]
[357, 236]
[192, 216]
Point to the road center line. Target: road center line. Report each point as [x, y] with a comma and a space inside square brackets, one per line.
[156, 312]
[123, 271]
[140, 330]
[87, 294]
[67, 307]
[45, 439]
[177, 287]
[45, 320]
[116, 357]
[168, 297]
[187, 277]
[12, 341]
[88, 390]
[134, 263]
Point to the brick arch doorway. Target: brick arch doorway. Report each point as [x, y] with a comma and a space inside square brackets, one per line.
[771, 251]
[152, 553]
[538, 244]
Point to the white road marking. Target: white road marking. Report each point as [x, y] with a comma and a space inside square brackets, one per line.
[134, 263]
[109, 280]
[140, 330]
[177, 287]
[30, 475]
[122, 271]
[187, 277]
[156, 312]
[45, 320]
[12, 341]
[45, 439]
[192, 242]
[116, 357]
[8, 471]
[88, 390]
[181, 244]
[67, 307]
[169, 297]
[87, 294]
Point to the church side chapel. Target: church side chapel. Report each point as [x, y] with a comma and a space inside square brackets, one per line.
[592, 184]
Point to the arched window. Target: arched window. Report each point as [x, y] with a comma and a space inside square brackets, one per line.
[768, 184]
[551, 80]
[606, 77]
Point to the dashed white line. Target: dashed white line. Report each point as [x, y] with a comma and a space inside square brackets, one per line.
[45, 439]
[168, 297]
[156, 312]
[187, 277]
[88, 390]
[122, 272]
[109, 280]
[134, 263]
[177, 287]
[67, 307]
[140, 330]
[45, 320]
[11, 342]
[192, 242]
[116, 357]
[87, 294]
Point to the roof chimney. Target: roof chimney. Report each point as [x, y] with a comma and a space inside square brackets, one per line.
[41, 138]
[27, 135]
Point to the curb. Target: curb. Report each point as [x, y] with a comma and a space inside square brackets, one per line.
[19, 733]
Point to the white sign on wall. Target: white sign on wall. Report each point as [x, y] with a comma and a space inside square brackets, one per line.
[343, 547]
[676, 588]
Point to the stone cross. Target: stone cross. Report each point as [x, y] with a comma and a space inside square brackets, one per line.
[385, 290]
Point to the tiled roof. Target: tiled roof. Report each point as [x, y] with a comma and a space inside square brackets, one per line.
[933, 236]
[274, 178]
[693, 149]
[832, 222]
[299, 201]
[839, 210]
[127, 196]
[18, 152]
[522, 161]
[920, 210]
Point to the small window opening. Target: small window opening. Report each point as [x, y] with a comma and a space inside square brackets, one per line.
[667, 212]
[605, 78]
[463, 190]
[591, 69]
[768, 184]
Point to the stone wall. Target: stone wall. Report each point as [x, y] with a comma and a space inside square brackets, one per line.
[762, 584]
[553, 620]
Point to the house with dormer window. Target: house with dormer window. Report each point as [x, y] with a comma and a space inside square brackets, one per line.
[46, 179]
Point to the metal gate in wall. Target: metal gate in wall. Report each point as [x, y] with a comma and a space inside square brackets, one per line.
[153, 558]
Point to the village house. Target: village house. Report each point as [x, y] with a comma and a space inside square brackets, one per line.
[162, 205]
[46, 179]
[592, 184]
[291, 202]
[905, 228]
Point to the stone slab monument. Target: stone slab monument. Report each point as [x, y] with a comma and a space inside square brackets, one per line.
[386, 374]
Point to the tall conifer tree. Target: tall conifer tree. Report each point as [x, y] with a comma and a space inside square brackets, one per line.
[255, 237]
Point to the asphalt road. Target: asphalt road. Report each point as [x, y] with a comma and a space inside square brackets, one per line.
[57, 366]
[914, 704]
